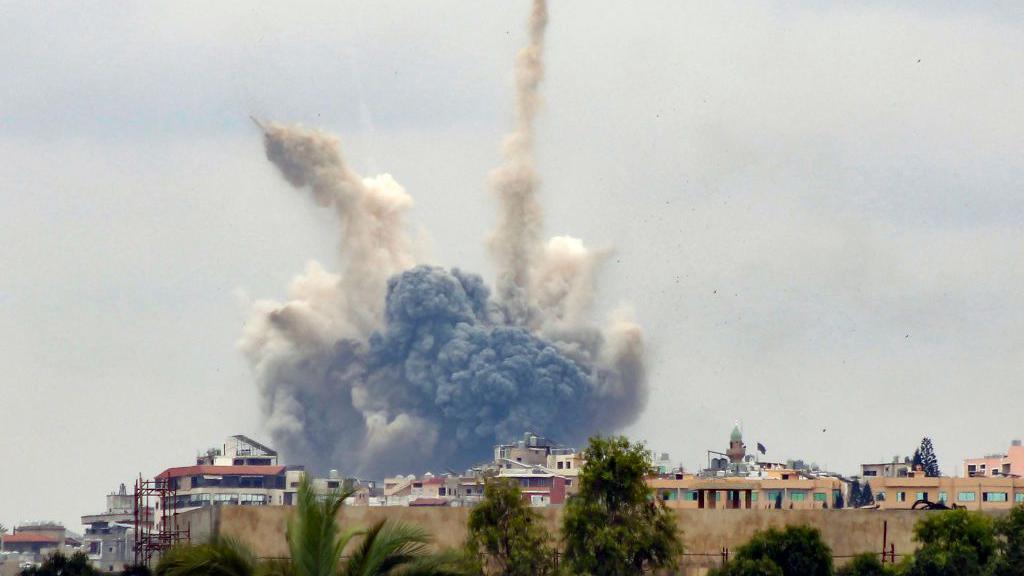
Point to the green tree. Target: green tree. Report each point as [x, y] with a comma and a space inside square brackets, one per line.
[1010, 532]
[316, 543]
[219, 557]
[953, 543]
[867, 496]
[58, 564]
[866, 564]
[796, 550]
[509, 535]
[855, 494]
[614, 525]
[929, 461]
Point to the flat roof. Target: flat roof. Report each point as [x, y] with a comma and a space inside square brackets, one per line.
[29, 538]
[220, 470]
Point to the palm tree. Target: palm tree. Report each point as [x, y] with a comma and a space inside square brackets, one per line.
[219, 557]
[317, 544]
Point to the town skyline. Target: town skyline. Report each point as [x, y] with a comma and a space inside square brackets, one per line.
[820, 240]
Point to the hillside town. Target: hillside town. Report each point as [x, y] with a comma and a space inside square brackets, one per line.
[245, 473]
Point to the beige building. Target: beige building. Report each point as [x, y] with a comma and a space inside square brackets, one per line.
[784, 489]
[896, 469]
[978, 493]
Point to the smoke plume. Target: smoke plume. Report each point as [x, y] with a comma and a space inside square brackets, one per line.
[391, 367]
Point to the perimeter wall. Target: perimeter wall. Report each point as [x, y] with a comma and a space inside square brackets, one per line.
[705, 532]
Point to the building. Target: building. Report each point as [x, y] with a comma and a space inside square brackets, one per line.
[539, 485]
[532, 450]
[737, 480]
[896, 469]
[973, 493]
[109, 536]
[1009, 464]
[239, 450]
[29, 544]
[784, 489]
[244, 472]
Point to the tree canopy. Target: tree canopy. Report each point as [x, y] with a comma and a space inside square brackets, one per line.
[614, 526]
[953, 543]
[794, 550]
[509, 536]
[929, 461]
[59, 564]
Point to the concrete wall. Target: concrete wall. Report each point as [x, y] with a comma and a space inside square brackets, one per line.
[705, 532]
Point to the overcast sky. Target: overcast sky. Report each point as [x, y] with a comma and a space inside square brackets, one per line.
[816, 210]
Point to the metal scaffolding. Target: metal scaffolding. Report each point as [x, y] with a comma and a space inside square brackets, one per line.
[155, 531]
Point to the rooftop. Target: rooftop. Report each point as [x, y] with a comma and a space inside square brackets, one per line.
[220, 470]
[29, 538]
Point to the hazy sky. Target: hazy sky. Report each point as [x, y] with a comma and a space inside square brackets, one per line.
[816, 211]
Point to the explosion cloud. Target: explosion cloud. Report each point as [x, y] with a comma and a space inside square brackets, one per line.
[393, 367]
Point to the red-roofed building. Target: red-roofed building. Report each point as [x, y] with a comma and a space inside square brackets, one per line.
[35, 541]
[246, 473]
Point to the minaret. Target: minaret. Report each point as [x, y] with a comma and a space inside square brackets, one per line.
[736, 450]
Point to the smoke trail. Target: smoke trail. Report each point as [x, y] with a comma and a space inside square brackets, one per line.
[516, 242]
[391, 367]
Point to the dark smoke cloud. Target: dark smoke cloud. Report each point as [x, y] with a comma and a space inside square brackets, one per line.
[391, 367]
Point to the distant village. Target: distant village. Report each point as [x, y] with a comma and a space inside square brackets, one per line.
[244, 472]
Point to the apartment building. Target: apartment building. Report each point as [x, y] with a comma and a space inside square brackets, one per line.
[539, 486]
[898, 468]
[30, 543]
[244, 472]
[1009, 464]
[110, 535]
[784, 489]
[974, 493]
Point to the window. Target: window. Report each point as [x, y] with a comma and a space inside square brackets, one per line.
[690, 496]
[568, 464]
[994, 496]
[871, 472]
[820, 497]
[225, 498]
[797, 495]
[668, 495]
[1019, 497]
[718, 496]
[441, 491]
[971, 468]
[901, 496]
[966, 496]
[774, 495]
[561, 466]
[943, 496]
[568, 481]
[332, 484]
[921, 496]
[753, 496]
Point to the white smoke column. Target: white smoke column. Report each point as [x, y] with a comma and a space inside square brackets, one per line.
[517, 240]
[292, 346]
[564, 281]
[374, 244]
